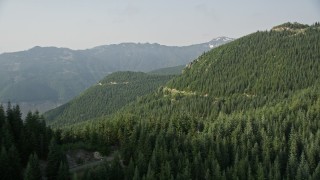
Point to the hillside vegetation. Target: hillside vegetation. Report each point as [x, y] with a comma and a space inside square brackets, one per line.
[245, 110]
[106, 97]
[176, 70]
[50, 75]
[26, 142]
[263, 67]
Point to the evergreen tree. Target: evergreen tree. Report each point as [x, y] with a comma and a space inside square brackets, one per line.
[7, 137]
[14, 168]
[260, 172]
[293, 162]
[2, 117]
[136, 175]
[87, 175]
[207, 175]
[33, 171]
[63, 173]
[4, 165]
[55, 156]
[15, 122]
[130, 169]
[303, 169]
[165, 171]
[316, 174]
[116, 171]
[150, 174]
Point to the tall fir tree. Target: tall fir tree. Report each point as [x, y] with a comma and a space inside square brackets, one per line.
[63, 173]
[4, 165]
[55, 156]
[33, 171]
[14, 168]
[2, 116]
[136, 175]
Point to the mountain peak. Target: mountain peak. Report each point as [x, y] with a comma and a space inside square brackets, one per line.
[222, 38]
[290, 27]
[47, 48]
[218, 41]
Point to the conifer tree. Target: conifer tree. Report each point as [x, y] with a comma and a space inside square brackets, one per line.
[165, 171]
[2, 117]
[316, 174]
[130, 169]
[7, 137]
[260, 172]
[292, 162]
[63, 173]
[54, 159]
[4, 165]
[33, 171]
[303, 169]
[207, 175]
[15, 122]
[14, 168]
[116, 169]
[150, 174]
[136, 175]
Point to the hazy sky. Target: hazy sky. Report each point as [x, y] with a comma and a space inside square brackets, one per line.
[80, 24]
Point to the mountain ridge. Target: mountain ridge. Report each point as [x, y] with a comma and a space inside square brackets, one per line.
[224, 38]
[63, 73]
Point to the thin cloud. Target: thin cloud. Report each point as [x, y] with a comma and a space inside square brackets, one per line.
[206, 10]
[317, 4]
[127, 12]
[2, 4]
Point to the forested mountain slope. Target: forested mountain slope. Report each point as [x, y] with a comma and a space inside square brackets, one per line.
[106, 97]
[260, 64]
[50, 75]
[245, 110]
[176, 70]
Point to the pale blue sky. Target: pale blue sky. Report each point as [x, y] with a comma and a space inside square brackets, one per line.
[80, 24]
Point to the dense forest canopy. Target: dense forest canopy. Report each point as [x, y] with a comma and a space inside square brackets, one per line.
[176, 70]
[106, 97]
[249, 109]
[24, 143]
[245, 110]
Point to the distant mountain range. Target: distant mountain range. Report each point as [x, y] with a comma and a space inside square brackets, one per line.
[44, 77]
